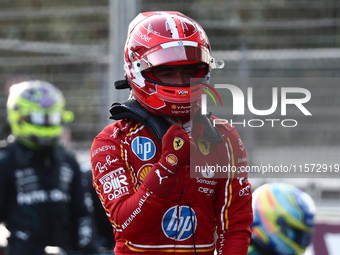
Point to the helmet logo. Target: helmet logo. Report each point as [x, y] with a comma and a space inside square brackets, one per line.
[183, 93]
[201, 35]
[142, 36]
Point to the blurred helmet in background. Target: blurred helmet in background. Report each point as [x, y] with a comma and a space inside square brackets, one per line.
[283, 218]
[36, 113]
[173, 39]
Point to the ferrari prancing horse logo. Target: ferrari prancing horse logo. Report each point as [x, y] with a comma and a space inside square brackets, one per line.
[203, 145]
[178, 143]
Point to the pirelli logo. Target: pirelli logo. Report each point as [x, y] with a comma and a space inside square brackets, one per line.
[109, 176]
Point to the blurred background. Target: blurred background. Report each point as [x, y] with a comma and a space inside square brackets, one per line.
[78, 46]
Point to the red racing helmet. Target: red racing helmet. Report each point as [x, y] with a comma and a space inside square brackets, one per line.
[167, 38]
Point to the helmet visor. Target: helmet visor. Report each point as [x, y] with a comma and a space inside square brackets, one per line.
[179, 54]
[46, 119]
[39, 118]
[301, 237]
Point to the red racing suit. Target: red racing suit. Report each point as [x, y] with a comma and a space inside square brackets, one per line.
[123, 154]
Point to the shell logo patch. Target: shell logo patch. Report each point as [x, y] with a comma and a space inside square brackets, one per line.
[171, 159]
[178, 143]
[203, 145]
[143, 171]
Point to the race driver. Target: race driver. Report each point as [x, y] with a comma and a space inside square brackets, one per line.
[41, 190]
[140, 163]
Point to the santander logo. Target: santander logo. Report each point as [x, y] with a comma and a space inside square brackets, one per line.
[143, 36]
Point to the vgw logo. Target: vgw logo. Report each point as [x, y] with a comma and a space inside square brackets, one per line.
[179, 223]
[143, 147]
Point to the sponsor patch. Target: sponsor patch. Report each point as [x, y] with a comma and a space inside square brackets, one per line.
[240, 160]
[135, 213]
[42, 196]
[240, 143]
[103, 167]
[118, 193]
[144, 37]
[183, 93]
[242, 180]
[114, 132]
[114, 183]
[143, 171]
[125, 141]
[143, 147]
[160, 177]
[103, 148]
[180, 112]
[178, 143]
[109, 176]
[177, 223]
[245, 191]
[208, 182]
[207, 191]
[203, 145]
[171, 159]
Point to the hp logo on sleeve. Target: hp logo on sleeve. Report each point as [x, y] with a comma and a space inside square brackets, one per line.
[178, 223]
[143, 147]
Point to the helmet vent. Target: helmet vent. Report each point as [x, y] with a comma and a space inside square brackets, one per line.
[169, 91]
